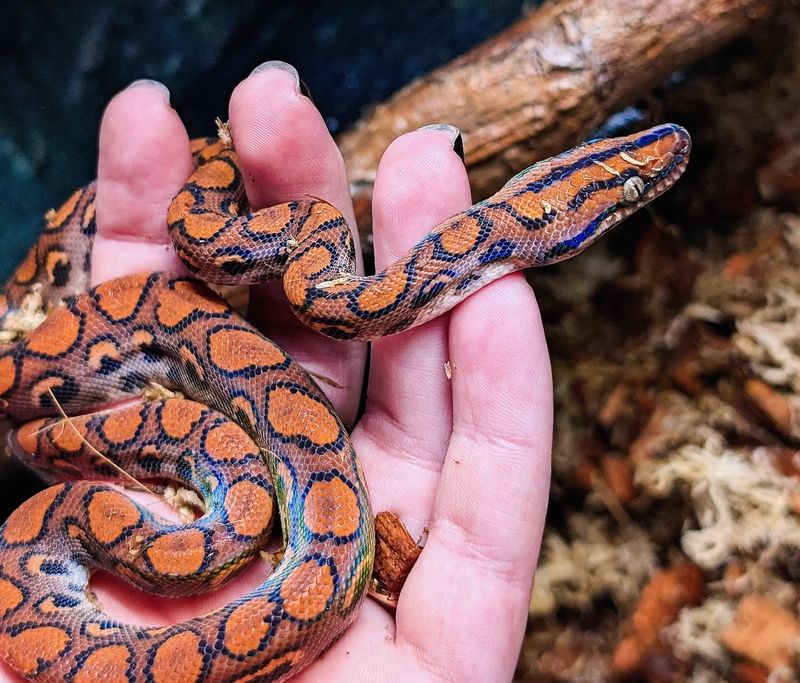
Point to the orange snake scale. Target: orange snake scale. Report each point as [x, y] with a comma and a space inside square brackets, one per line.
[255, 432]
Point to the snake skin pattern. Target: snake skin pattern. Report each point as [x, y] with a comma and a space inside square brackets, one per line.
[250, 430]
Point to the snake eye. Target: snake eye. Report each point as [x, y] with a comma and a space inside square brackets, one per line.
[632, 189]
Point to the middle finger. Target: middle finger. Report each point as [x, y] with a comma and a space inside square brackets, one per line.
[286, 152]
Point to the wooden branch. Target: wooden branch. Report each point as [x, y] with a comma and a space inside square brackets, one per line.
[547, 81]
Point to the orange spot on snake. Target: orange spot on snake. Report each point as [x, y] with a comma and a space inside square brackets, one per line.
[95, 630]
[461, 236]
[301, 269]
[57, 334]
[295, 414]
[34, 563]
[121, 425]
[178, 553]
[74, 531]
[228, 441]
[175, 305]
[271, 221]
[142, 338]
[248, 625]
[110, 514]
[26, 271]
[41, 390]
[528, 204]
[149, 451]
[249, 508]
[178, 660]
[202, 226]
[88, 214]
[10, 596]
[26, 522]
[178, 417]
[384, 292]
[56, 218]
[111, 663]
[206, 146]
[55, 259]
[332, 507]
[7, 374]
[34, 647]
[214, 174]
[101, 350]
[321, 213]
[49, 606]
[307, 589]
[118, 299]
[233, 350]
[28, 435]
[64, 436]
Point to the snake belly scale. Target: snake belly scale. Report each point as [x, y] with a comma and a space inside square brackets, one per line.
[250, 430]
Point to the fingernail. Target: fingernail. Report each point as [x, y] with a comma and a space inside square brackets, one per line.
[150, 83]
[456, 140]
[288, 68]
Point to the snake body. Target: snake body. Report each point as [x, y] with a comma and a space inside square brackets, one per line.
[250, 426]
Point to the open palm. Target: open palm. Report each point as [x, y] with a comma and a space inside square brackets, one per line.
[466, 456]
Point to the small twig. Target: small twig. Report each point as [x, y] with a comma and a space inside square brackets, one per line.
[325, 380]
[611, 503]
[103, 457]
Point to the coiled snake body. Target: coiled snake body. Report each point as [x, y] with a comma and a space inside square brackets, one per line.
[254, 427]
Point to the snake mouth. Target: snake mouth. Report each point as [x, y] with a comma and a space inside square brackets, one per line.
[668, 179]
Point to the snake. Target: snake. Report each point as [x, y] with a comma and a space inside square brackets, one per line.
[157, 377]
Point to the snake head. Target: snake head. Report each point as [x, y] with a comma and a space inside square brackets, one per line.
[602, 182]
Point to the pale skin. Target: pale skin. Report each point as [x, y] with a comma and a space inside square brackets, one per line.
[466, 457]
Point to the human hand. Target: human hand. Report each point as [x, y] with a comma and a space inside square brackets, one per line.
[466, 457]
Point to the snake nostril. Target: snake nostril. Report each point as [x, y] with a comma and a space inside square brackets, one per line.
[683, 146]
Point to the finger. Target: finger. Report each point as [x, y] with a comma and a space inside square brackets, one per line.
[421, 181]
[144, 159]
[286, 152]
[7, 675]
[489, 512]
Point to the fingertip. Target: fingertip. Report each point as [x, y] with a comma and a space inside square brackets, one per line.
[422, 163]
[282, 141]
[144, 159]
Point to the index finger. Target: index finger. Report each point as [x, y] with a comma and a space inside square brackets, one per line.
[144, 159]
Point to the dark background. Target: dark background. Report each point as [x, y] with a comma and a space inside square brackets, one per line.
[61, 62]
